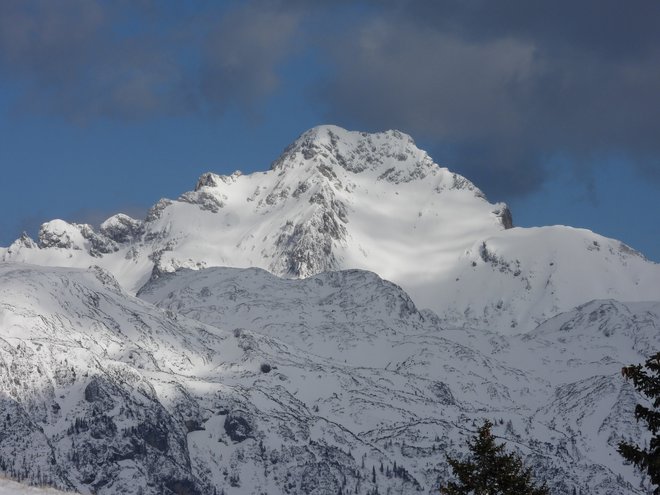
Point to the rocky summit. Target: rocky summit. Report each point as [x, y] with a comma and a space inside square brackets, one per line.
[335, 324]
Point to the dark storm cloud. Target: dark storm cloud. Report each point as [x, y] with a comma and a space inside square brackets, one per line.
[503, 86]
[242, 53]
[89, 59]
[496, 89]
[608, 28]
[70, 59]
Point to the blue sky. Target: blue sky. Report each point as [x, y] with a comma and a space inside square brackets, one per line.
[551, 107]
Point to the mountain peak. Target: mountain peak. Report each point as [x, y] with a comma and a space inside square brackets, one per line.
[210, 179]
[332, 133]
[335, 199]
[387, 153]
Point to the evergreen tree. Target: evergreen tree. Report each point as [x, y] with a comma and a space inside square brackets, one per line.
[490, 470]
[647, 381]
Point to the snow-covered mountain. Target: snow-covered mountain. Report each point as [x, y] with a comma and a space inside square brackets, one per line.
[244, 382]
[267, 333]
[339, 200]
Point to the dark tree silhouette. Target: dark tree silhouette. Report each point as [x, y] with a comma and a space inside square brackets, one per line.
[646, 379]
[490, 470]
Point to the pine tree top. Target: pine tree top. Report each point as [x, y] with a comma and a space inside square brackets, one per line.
[490, 470]
[646, 379]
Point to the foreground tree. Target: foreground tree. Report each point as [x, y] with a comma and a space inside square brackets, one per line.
[490, 470]
[646, 379]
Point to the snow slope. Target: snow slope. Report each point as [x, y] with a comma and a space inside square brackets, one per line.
[512, 281]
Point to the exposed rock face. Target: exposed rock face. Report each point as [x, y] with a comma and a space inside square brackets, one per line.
[504, 214]
[121, 228]
[205, 201]
[98, 244]
[307, 248]
[393, 154]
[209, 179]
[237, 426]
[156, 210]
[26, 241]
[77, 237]
[60, 234]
